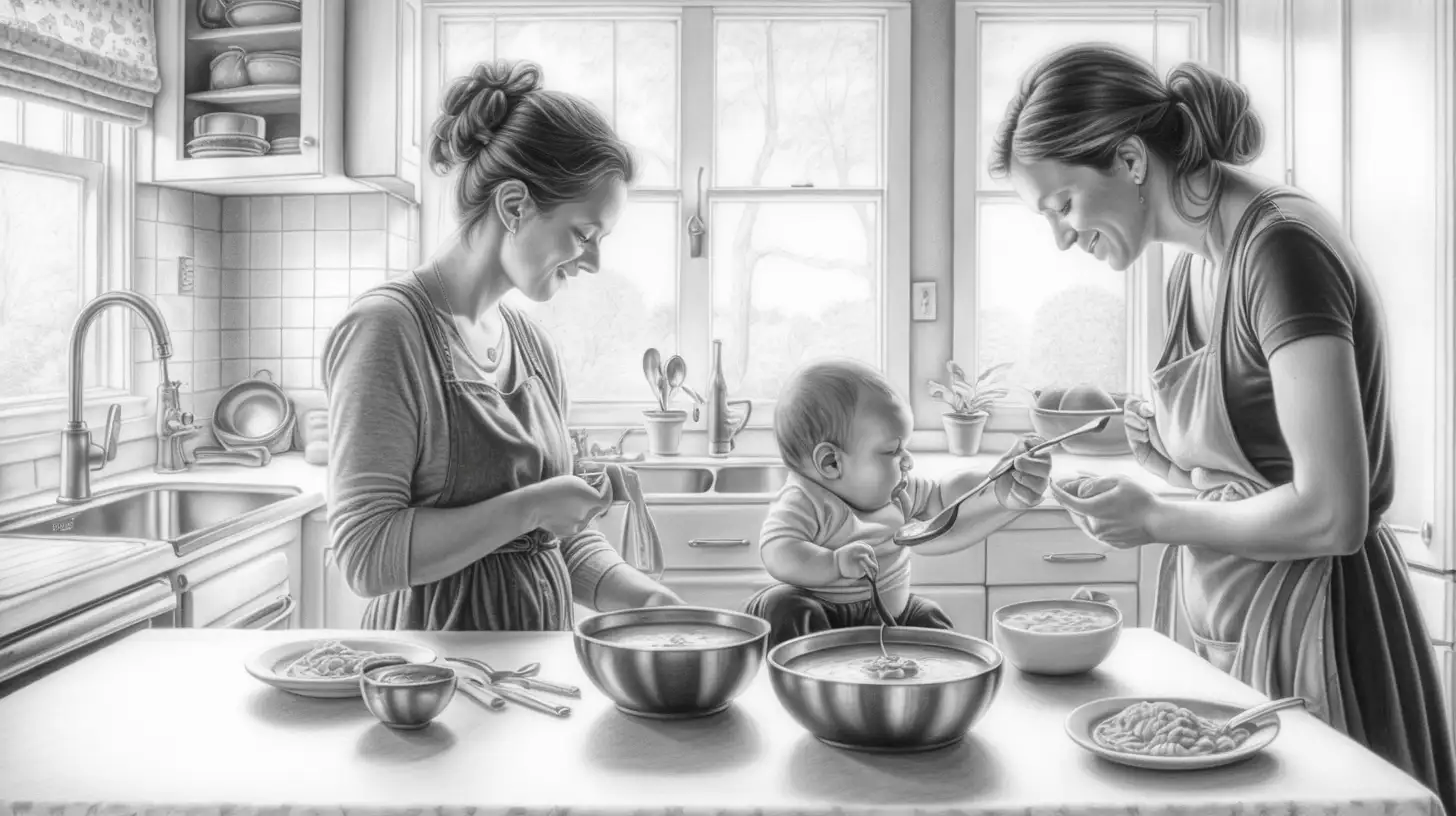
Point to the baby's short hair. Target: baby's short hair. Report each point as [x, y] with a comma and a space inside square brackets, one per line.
[818, 404]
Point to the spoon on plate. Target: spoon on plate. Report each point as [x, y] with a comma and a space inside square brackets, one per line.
[1252, 714]
[652, 370]
[923, 531]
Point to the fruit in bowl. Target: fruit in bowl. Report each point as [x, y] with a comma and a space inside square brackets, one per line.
[1057, 410]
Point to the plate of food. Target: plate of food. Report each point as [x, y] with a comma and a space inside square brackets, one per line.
[327, 668]
[1168, 733]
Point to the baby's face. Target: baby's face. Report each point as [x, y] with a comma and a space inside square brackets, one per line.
[875, 456]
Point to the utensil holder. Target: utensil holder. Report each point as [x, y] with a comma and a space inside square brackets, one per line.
[664, 431]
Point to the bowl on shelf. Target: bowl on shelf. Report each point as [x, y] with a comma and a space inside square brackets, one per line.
[1055, 636]
[828, 684]
[229, 69]
[275, 68]
[671, 662]
[245, 13]
[230, 123]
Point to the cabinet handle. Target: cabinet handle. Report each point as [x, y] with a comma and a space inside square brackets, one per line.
[1063, 558]
[308, 141]
[718, 542]
[1426, 531]
[283, 607]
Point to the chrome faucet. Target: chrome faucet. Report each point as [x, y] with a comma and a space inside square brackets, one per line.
[722, 425]
[79, 455]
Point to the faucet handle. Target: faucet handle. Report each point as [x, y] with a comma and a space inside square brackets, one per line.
[105, 452]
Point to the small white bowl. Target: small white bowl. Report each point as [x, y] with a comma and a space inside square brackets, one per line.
[1057, 653]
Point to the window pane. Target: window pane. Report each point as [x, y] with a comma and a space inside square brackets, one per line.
[571, 53]
[9, 119]
[40, 279]
[463, 44]
[792, 282]
[602, 323]
[647, 98]
[1061, 317]
[798, 102]
[45, 128]
[1008, 48]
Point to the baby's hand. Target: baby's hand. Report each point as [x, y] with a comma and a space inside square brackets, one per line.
[855, 560]
[1025, 484]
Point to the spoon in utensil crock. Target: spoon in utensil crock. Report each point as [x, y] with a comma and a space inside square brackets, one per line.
[652, 370]
[677, 372]
[921, 532]
[1254, 713]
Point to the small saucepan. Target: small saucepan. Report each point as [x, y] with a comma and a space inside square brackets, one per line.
[255, 412]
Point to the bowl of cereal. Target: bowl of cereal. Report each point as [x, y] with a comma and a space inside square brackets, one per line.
[671, 662]
[895, 689]
[1169, 733]
[1055, 636]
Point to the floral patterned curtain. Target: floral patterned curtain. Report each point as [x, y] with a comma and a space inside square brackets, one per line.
[97, 57]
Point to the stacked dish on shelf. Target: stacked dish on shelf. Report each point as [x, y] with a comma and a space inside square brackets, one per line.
[236, 68]
[226, 134]
[246, 13]
[284, 146]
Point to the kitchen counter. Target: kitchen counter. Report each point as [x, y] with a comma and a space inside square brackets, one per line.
[168, 720]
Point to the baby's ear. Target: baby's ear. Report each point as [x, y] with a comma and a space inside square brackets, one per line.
[827, 460]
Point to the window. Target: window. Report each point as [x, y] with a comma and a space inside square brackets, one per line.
[785, 117]
[51, 179]
[1061, 318]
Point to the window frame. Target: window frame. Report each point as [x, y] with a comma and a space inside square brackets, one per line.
[107, 173]
[696, 125]
[1144, 280]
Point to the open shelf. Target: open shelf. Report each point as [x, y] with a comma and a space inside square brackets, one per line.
[259, 99]
[286, 36]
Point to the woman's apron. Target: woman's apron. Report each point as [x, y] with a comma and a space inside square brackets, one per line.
[1265, 623]
[499, 442]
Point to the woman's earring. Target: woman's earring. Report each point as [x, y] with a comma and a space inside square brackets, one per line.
[1139, 182]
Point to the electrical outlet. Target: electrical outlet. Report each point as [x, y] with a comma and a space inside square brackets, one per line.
[922, 301]
[186, 276]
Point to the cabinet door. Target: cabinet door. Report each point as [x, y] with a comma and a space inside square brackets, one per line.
[1318, 105]
[1261, 68]
[411, 120]
[964, 605]
[341, 607]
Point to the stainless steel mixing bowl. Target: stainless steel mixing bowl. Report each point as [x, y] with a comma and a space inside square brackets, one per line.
[671, 682]
[406, 703]
[879, 715]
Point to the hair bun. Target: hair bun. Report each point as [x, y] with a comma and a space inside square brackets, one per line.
[1218, 122]
[477, 105]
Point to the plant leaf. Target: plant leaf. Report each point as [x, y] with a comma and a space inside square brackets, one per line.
[992, 372]
[940, 392]
[956, 372]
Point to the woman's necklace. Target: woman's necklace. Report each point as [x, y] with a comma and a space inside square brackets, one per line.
[491, 354]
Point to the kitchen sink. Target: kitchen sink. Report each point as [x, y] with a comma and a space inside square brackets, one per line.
[184, 515]
[750, 479]
[674, 479]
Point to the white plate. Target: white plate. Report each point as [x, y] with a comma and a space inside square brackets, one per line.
[1085, 718]
[224, 152]
[269, 665]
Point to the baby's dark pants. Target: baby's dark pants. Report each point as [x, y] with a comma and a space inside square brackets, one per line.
[793, 612]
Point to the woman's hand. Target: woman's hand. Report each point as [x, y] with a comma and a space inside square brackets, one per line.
[1025, 485]
[662, 596]
[623, 587]
[1114, 509]
[564, 505]
[1142, 435]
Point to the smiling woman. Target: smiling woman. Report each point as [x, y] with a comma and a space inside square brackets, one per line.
[453, 502]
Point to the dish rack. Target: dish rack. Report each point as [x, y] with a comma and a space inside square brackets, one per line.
[244, 78]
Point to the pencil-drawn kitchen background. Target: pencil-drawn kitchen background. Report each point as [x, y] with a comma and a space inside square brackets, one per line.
[834, 155]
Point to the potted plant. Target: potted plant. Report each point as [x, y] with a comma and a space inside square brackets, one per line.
[970, 406]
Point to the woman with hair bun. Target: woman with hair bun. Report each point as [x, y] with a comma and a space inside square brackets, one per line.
[452, 503]
[1269, 399]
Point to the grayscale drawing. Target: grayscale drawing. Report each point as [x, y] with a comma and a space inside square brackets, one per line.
[705, 407]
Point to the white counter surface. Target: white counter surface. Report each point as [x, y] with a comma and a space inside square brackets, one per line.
[168, 721]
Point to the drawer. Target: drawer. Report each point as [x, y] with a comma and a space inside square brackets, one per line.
[966, 606]
[1056, 557]
[1124, 595]
[965, 567]
[208, 602]
[1430, 591]
[722, 536]
[717, 589]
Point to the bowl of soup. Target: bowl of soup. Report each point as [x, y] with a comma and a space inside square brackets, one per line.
[886, 689]
[404, 695]
[1055, 636]
[671, 662]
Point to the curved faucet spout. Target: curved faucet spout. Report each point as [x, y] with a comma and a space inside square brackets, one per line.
[75, 364]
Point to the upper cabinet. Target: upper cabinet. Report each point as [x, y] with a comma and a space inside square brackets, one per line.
[286, 96]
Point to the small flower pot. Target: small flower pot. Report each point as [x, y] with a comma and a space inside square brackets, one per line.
[963, 432]
[664, 431]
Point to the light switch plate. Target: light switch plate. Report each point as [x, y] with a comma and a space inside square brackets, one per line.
[186, 276]
[922, 300]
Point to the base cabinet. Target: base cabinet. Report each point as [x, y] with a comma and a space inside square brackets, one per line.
[964, 605]
[718, 589]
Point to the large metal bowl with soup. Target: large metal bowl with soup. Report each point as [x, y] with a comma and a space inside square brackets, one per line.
[671, 662]
[1057, 636]
[924, 689]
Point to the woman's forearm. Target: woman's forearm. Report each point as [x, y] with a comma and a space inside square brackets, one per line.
[1276, 525]
[444, 541]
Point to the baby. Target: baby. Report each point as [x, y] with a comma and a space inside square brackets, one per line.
[842, 432]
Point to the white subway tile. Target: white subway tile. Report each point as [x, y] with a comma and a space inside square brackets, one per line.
[207, 211]
[208, 281]
[235, 282]
[207, 247]
[367, 249]
[206, 314]
[331, 212]
[144, 239]
[297, 343]
[297, 213]
[362, 280]
[181, 347]
[206, 375]
[297, 313]
[331, 250]
[174, 207]
[271, 365]
[331, 283]
[398, 217]
[265, 283]
[17, 479]
[265, 313]
[327, 311]
[235, 249]
[265, 250]
[206, 345]
[235, 214]
[298, 372]
[265, 343]
[399, 251]
[168, 271]
[146, 202]
[297, 250]
[267, 213]
[177, 311]
[297, 283]
[234, 345]
[234, 371]
[235, 313]
[366, 211]
[144, 276]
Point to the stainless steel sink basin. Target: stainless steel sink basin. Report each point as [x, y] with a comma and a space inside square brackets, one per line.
[184, 515]
[750, 479]
[674, 479]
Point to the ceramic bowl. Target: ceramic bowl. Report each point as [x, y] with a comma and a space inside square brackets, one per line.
[1057, 652]
[1110, 441]
[275, 68]
[230, 123]
[244, 13]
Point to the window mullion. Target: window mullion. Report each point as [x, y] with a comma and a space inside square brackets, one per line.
[696, 102]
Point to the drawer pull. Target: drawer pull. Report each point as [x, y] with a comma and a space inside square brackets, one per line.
[1063, 558]
[718, 542]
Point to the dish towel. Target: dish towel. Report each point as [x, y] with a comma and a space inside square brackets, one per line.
[641, 548]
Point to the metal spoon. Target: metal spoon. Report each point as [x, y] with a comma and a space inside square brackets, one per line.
[526, 678]
[921, 532]
[677, 371]
[1258, 711]
[886, 619]
[652, 370]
